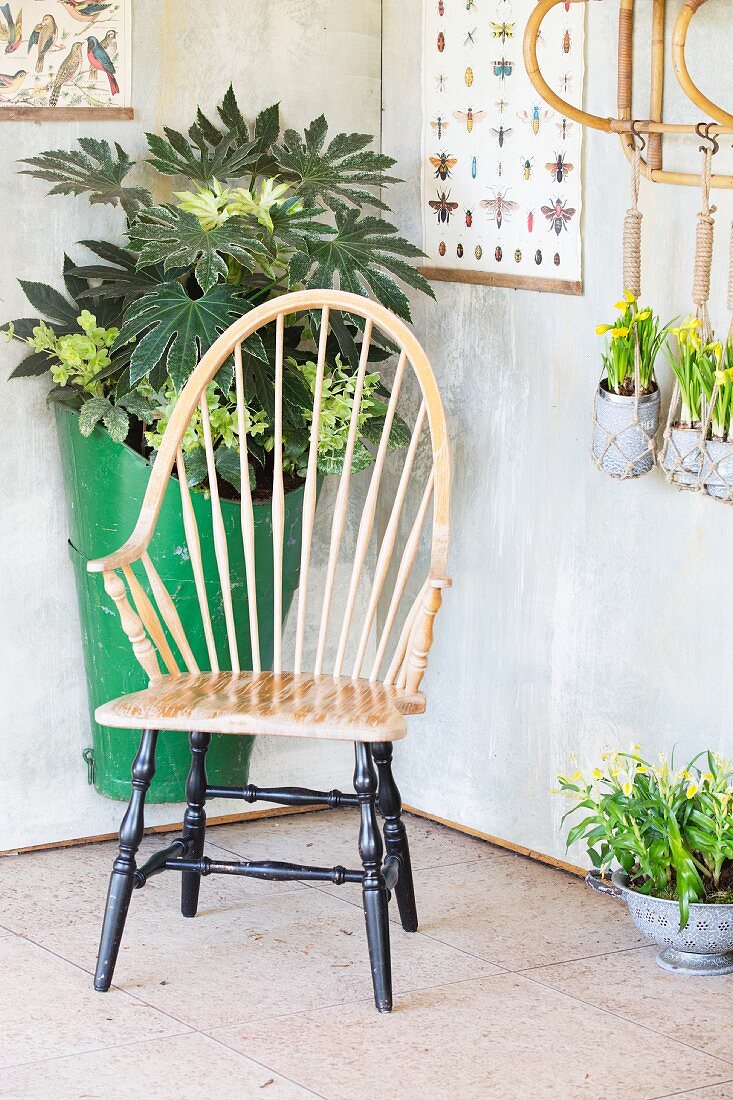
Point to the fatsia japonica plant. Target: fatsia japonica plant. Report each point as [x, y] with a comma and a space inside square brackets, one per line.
[252, 213]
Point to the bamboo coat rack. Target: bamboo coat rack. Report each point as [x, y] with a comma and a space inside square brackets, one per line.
[716, 120]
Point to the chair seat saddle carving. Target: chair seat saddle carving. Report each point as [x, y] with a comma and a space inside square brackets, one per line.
[267, 703]
[370, 646]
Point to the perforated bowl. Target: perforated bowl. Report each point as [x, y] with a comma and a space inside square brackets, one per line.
[704, 947]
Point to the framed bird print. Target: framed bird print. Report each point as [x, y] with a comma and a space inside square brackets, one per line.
[501, 172]
[65, 59]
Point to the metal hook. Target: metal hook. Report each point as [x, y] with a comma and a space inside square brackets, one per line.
[638, 135]
[702, 129]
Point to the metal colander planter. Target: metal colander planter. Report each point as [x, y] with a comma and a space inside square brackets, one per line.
[682, 457]
[717, 469]
[624, 431]
[704, 947]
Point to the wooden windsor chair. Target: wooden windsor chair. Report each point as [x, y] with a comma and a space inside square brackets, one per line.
[362, 707]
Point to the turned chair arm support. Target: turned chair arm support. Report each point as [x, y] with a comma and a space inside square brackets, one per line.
[421, 638]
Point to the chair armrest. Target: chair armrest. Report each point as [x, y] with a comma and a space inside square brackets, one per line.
[128, 553]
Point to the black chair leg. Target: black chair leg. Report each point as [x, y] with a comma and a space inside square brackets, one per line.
[194, 820]
[395, 834]
[123, 869]
[375, 894]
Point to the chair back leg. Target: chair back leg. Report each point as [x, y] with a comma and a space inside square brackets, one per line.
[395, 834]
[122, 880]
[194, 820]
[374, 891]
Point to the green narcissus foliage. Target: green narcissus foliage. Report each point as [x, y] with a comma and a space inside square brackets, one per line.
[251, 213]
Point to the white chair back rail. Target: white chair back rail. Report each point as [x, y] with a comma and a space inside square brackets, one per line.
[383, 596]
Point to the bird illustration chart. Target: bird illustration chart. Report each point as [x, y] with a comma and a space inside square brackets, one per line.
[501, 171]
[64, 54]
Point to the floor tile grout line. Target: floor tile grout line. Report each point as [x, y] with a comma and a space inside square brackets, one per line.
[584, 958]
[618, 1016]
[269, 1069]
[96, 1050]
[690, 1092]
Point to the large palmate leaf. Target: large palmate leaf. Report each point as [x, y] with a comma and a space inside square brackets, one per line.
[340, 173]
[177, 328]
[210, 153]
[364, 253]
[120, 276]
[94, 169]
[170, 235]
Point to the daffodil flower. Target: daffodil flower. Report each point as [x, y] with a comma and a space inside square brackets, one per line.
[619, 332]
[692, 790]
[630, 298]
[602, 329]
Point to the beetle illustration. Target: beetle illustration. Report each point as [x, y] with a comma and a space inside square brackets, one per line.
[559, 168]
[556, 259]
[441, 248]
[564, 127]
[503, 30]
[518, 256]
[503, 69]
[566, 41]
[527, 164]
[469, 117]
[558, 214]
[442, 163]
[535, 117]
[499, 207]
[538, 257]
[439, 124]
[459, 250]
[478, 251]
[469, 219]
[468, 76]
[474, 168]
[530, 220]
[498, 253]
[441, 8]
[442, 207]
[501, 133]
[441, 41]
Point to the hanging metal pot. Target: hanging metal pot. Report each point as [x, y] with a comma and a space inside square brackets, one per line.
[682, 456]
[717, 469]
[624, 431]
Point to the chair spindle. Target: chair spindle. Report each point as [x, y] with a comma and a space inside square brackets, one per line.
[278, 500]
[247, 512]
[193, 543]
[221, 550]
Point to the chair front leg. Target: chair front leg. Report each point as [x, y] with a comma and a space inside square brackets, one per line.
[375, 895]
[194, 820]
[395, 834]
[123, 869]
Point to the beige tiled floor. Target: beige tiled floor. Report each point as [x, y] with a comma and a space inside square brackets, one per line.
[521, 984]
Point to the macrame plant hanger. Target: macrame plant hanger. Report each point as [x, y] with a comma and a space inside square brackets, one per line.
[632, 447]
[684, 450]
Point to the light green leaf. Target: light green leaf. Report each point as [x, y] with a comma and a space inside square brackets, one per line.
[92, 412]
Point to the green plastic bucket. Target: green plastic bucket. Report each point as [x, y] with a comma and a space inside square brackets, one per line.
[105, 484]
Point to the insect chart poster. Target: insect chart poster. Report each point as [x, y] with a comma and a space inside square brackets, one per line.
[501, 172]
[64, 58]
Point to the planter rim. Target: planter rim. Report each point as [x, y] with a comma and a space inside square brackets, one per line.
[621, 881]
[622, 399]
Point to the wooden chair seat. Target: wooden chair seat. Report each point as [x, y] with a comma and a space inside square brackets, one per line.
[280, 704]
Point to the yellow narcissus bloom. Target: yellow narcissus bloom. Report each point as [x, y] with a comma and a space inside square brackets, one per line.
[597, 773]
[619, 332]
[720, 377]
[630, 298]
[627, 788]
[692, 790]
[574, 778]
[602, 329]
[644, 315]
[622, 305]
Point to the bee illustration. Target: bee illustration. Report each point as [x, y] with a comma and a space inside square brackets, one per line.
[498, 253]
[503, 30]
[538, 257]
[530, 221]
[527, 164]
[500, 207]
[478, 251]
[441, 8]
[558, 215]
[442, 207]
[503, 69]
[535, 117]
[468, 76]
[501, 134]
[439, 124]
[559, 168]
[565, 82]
[469, 219]
[459, 250]
[470, 40]
[566, 41]
[469, 117]
[518, 256]
[441, 248]
[441, 82]
[564, 126]
[556, 259]
[474, 168]
[441, 42]
[442, 163]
